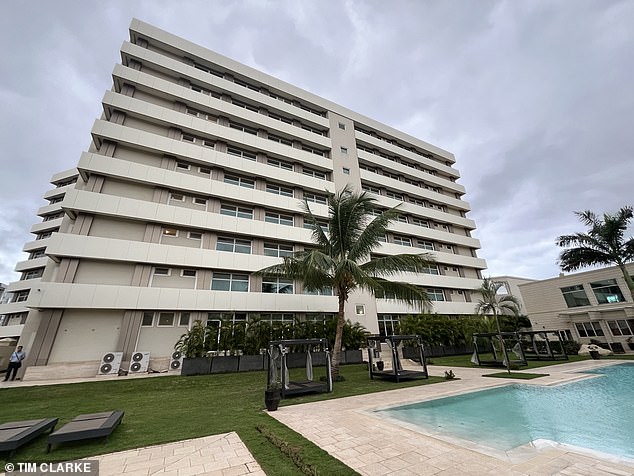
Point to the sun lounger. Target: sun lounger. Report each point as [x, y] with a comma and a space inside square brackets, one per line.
[17, 433]
[83, 427]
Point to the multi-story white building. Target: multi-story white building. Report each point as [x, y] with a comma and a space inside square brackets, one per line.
[194, 180]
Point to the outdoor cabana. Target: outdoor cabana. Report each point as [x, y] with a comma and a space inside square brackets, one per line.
[390, 366]
[294, 354]
[487, 351]
[542, 345]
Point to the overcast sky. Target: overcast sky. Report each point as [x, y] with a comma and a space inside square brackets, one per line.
[535, 98]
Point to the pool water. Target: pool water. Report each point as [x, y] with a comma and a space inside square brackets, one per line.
[595, 413]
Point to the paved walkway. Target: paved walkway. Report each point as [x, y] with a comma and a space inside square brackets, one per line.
[349, 430]
[217, 455]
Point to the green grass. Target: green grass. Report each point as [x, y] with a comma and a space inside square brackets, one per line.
[516, 375]
[171, 408]
[465, 361]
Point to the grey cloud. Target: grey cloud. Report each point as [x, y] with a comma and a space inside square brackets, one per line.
[534, 98]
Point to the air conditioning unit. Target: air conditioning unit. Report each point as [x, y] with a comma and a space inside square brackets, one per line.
[176, 361]
[110, 363]
[139, 362]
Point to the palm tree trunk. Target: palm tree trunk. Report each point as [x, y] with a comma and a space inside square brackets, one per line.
[336, 351]
[628, 280]
[502, 346]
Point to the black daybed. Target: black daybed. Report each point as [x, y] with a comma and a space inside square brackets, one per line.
[17, 433]
[83, 427]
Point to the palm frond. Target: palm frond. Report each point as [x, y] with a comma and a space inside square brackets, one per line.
[401, 292]
[386, 266]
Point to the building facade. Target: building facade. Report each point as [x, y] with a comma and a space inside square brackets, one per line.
[592, 305]
[194, 180]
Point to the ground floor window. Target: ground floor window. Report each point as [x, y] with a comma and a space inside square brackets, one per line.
[589, 329]
[565, 334]
[621, 327]
[388, 324]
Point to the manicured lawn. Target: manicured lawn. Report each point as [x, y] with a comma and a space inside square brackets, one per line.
[170, 408]
[516, 375]
[465, 361]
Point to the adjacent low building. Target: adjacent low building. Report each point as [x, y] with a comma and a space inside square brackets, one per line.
[194, 180]
[592, 305]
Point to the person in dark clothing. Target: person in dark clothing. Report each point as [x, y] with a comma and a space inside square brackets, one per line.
[15, 362]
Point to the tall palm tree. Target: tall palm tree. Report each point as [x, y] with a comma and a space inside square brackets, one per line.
[603, 244]
[341, 258]
[491, 302]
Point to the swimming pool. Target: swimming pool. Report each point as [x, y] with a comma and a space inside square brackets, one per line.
[593, 413]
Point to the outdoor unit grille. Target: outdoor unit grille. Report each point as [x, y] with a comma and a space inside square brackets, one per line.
[176, 361]
[110, 363]
[139, 362]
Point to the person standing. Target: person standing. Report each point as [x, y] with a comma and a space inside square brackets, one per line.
[15, 362]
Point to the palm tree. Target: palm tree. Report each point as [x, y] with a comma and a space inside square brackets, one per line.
[341, 258]
[604, 244]
[491, 302]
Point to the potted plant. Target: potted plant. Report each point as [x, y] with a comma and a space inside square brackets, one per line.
[272, 396]
[594, 351]
[192, 346]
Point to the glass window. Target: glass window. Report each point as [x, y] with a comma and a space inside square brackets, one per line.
[280, 164]
[325, 291]
[193, 235]
[170, 231]
[189, 273]
[312, 197]
[162, 271]
[233, 211]
[344, 150]
[183, 320]
[277, 285]
[621, 327]
[403, 241]
[346, 171]
[314, 173]
[241, 181]
[388, 324]
[166, 319]
[435, 294]
[148, 319]
[278, 218]
[575, 296]
[233, 245]
[426, 245]
[278, 250]
[431, 270]
[607, 291]
[279, 190]
[589, 329]
[230, 282]
[241, 153]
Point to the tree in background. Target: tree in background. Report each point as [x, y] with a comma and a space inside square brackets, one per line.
[341, 258]
[492, 303]
[604, 244]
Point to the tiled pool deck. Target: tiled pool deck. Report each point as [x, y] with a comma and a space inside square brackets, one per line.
[349, 430]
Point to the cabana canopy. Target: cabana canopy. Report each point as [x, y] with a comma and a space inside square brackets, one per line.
[391, 367]
[308, 353]
[488, 352]
[542, 345]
